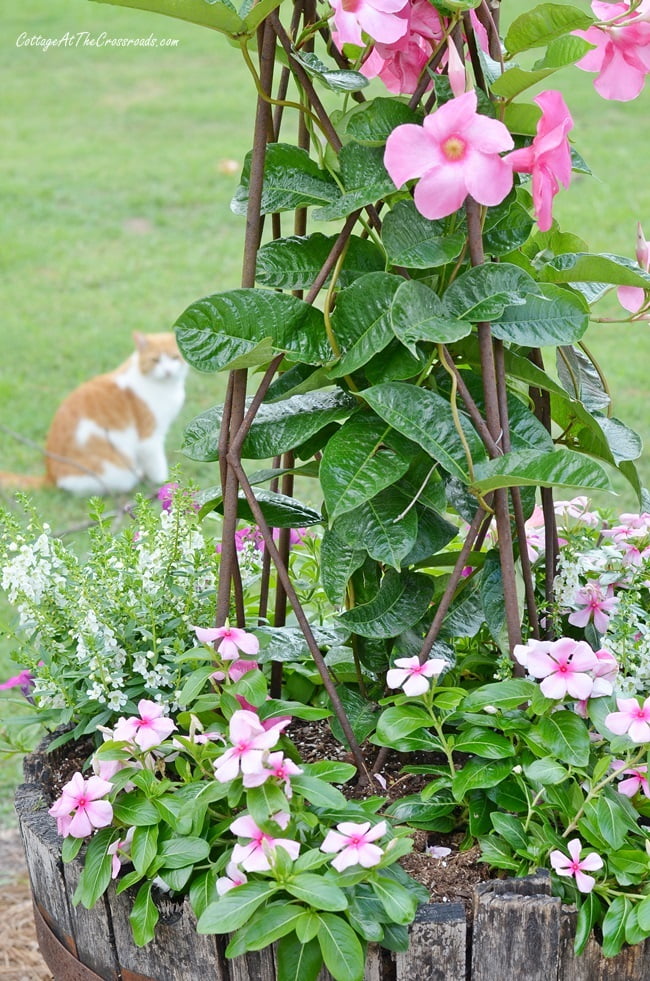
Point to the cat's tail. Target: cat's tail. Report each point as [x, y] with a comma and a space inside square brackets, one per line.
[19, 481]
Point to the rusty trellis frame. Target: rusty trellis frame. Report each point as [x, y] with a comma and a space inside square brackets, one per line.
[502, 506]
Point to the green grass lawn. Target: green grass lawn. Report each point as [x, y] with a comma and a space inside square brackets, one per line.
[114, 203]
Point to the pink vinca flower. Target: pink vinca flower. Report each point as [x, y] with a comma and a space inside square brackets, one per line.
[234, 877]
[412, 676]
[232, 640]
[80, 809]
[378, 18]
[147, 730]
[548, 158]
[637, 781]
[251, 742]
[276, 765]
[631, 718]
[633, 297]
[454, 153]
[593, 602]
[355, 844]
[563, 664]
[573, 865]
[622, 50]
[257, 854]
[120, 851]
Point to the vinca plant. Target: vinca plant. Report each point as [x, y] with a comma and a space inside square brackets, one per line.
[406, 350]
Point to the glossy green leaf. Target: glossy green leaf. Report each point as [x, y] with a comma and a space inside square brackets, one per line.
[556, 317]
[435, 815]
[581, 267]
[247, 327]
[623, 442]
[365, 180]
[613, 925]
[401, 601]
[143, 916]
[96, 873]
[492, 600]
[381, 527]
[509, 232]
[546, 772]
[298, 961]
[143, 847]
[566, 737]
[332, 771]
[179, 851]
[316, 891]
[361, 321]
[341, 948]
[543, 24]
[235, 908]
[289, 644]
[338, 560]
[279, 510]
[564, 50]
[399, 902]
[318, 792]
[416, 242]
[481, 742]
[219, 15]
[483, 292]
[361, 714]
[505, 695]
[293, 263]
[277, 920]
[581, 379]
[134, 809]
[339, 80]
[588, 915]
[497, 853]
[561, 469]
[373, 121]
[426, 418]
[478, 773]
[360, 460]
[291, 180]
[401, 720]
[511, 828]
[417, 314]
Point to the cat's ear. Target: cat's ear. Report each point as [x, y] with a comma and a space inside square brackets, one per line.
[140, 340]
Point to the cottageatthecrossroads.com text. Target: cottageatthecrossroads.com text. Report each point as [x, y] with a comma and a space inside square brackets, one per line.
[84, 39]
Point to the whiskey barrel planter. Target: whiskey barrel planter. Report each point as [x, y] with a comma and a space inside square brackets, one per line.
[518, 929]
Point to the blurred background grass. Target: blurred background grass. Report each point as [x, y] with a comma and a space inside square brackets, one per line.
[118, 169]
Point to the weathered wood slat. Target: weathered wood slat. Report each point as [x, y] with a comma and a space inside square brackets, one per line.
[177, 952]
[43, 856]
[259, 965]
[437, 949]
[515, 936]
[92, 930]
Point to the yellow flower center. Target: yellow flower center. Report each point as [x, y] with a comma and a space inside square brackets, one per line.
[453, 147]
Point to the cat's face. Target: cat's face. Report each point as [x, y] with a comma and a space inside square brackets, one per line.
[159, 357]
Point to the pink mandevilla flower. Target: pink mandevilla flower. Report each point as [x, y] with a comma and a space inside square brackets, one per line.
[622, 50]
[593, 602]
[563, 664]
[378, 18]
[412, 676]
[23, 680]
[548, 158]
[454, 153]
[80, 809]
[400, 64]
[232, 640]
[634, 297]
[573, 865]
[637, 781]
[631, 718]
[276, 765]
[147, 730]
[355, 844]
[256, 855]
[234, 877]
[251, 742]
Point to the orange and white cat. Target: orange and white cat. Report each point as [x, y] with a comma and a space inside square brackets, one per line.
[109, 434]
